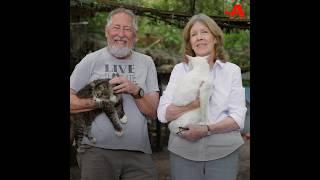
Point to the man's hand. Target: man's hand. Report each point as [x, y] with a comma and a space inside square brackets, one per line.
[123, 85]
[194, 132]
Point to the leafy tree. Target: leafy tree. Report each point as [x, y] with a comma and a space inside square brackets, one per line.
[236, 42]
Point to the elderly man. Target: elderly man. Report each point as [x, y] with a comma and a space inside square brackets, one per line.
[127, 156]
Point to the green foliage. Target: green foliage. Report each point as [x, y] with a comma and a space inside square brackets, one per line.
[245, 83]
[171, 37]
[96, 24]
[237, 44]
[213, 7]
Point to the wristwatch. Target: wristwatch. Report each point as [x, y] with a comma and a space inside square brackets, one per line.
[140, 94]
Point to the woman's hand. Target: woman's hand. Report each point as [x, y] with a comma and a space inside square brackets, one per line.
[194, 132]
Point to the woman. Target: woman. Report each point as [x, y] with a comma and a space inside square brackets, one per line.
[207, 152]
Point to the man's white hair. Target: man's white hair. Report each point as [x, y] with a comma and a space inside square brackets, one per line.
[123, 10]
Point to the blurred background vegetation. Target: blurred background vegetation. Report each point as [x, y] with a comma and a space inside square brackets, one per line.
[159, 36]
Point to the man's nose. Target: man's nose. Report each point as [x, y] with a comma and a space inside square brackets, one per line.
[121, 32]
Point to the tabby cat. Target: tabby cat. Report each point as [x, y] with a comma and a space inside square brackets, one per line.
[108, 102]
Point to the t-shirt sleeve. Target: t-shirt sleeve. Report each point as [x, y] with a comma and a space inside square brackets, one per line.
[81, 74]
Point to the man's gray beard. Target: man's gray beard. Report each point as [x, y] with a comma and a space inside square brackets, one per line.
[119, 52]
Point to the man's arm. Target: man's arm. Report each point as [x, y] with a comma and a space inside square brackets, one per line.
[147, 104]
[80, 105]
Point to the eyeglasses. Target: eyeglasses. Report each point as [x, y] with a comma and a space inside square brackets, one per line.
[127, 29]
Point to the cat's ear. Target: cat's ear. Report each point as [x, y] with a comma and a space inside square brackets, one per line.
[93, 83]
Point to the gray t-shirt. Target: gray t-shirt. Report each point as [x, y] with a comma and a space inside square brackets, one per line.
[139, 69]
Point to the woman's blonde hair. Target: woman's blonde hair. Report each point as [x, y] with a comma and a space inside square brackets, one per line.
[215, 31]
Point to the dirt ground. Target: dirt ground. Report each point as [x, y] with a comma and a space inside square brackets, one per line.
[162, 163]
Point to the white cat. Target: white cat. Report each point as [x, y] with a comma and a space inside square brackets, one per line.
[197, 79]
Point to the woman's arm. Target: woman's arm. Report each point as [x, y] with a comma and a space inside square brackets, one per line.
[173, 111]
[236, 113]
[236, 107]
[236, 102]
[196, 132]
[166, 110]
[226, 125]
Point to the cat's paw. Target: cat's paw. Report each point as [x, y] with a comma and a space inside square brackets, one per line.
[173, 128]
[80, 150]
[113, 98]
[119, 133]
[124, 119]
[176, 131]
[96, 99]
[74, 143]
